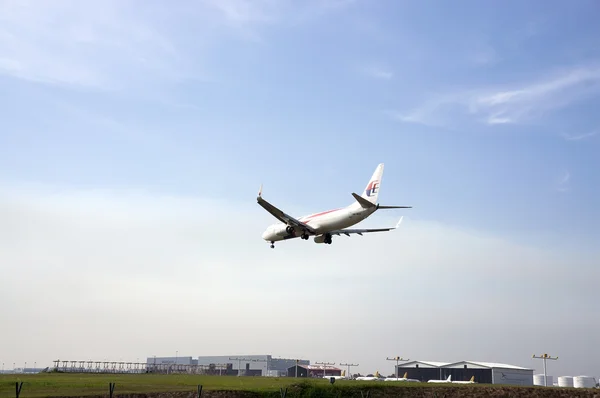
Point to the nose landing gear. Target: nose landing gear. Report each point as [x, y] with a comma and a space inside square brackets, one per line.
[272, 245]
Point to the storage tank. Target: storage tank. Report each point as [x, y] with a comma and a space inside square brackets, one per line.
[584, 382]
[565, 381]
[538, 380]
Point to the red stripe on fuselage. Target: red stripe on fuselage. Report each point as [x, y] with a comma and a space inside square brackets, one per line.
[308, 218]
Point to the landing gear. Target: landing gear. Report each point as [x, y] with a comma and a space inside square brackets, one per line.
[272, 245]
[289, 229]
[327, 239]
[304, 236]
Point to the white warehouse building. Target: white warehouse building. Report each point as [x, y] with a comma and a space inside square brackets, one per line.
[242, 365]
[253, 365]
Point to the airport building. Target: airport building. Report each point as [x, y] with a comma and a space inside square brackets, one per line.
[171, 361]
[313, 371]
[484, 372]
[242, 365]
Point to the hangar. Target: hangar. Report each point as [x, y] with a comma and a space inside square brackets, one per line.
[484, 372]
[422, 370]
[490, 372]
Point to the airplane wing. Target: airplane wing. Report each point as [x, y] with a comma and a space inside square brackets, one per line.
[350, 231]
[281, 216]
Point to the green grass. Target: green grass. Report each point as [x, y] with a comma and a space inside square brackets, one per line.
[70, 384]
[65, 384]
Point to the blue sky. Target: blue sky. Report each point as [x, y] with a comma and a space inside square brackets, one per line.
[280, 94]
[485, 114]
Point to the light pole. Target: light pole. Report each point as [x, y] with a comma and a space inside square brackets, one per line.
[397, 359]
[545, 357]
[348, 365]
[324, 366]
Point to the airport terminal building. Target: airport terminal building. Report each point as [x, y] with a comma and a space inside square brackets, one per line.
[233, 365]
[484, 372]
[267, 365]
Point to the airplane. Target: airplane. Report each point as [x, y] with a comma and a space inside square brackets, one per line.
[343, 376]
[325, 224]
[375, 377]
[403, 378]
[449, 380]
[470, 381]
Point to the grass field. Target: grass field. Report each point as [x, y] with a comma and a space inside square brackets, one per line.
[69, 385]
[64, 384]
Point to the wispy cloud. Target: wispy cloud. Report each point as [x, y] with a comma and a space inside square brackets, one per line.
[517, 104]
[562, 183]
[378, 72]
[95, 45]
[484, 54]
[112, 44]
[578, 137]
[242, 11]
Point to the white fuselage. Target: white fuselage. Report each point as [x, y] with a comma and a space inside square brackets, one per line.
[322, 222]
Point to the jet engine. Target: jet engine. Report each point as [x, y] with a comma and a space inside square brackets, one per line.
[325, 238]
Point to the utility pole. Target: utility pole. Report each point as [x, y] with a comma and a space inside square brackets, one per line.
[324, 366]
[298, 364]
[397, 359]
[348, 365]
[545, 357]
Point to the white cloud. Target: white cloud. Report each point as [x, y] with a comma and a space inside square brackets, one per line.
[244, 11]
[578, 137]
[484, 54]
[105, 45]
[522, 103]
[113, 44]
[78, 265]
[94, 45]
[378, 72]
[562, 184]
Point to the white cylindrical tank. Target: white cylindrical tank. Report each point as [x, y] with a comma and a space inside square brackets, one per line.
[584, 382]
[565, 381]
[538, 380]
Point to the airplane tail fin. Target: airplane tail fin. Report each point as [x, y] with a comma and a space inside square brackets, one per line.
[472, 379]
[405, 375]
[371, 192]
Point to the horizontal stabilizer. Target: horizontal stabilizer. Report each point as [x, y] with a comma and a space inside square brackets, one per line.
[394, 207]
[363, 202]
[349, 231]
